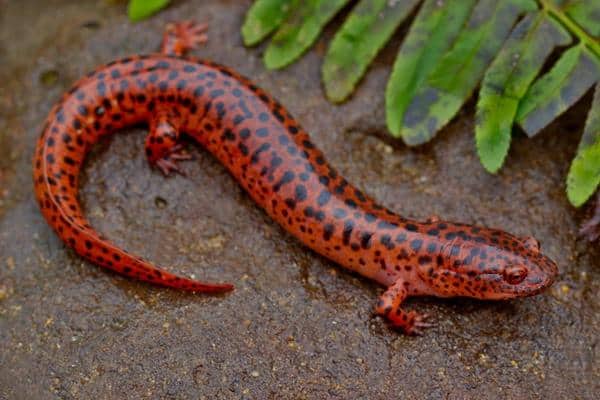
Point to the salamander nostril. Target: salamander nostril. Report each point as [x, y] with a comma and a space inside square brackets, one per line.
[531, 243]
[534, 280]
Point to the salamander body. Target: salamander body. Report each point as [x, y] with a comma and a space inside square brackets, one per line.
[276, 163]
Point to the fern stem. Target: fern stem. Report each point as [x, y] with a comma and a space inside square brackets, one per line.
[571, 25]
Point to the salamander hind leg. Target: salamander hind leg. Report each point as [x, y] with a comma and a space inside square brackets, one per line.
[180, 37]
[388, 306]
[162, 147]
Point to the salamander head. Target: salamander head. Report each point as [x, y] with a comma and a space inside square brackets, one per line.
[500, 267]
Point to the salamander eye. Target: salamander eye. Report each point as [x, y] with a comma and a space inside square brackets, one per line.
[515, 274]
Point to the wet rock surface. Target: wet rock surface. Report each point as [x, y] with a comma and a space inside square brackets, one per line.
[297, 326]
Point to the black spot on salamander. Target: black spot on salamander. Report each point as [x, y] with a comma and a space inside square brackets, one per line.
[263, 147]
[328, 231]
[386, 225]
[365, 239]
[339, 213]
[287, 177]
[423, 260]
[411, 227]
[386, 240]
[324, 197]
[301, 193]
[416, 244]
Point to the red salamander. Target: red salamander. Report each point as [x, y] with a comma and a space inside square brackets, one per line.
[273, 159]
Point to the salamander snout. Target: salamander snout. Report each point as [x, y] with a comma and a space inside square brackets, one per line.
[533, 271]
[521, 275]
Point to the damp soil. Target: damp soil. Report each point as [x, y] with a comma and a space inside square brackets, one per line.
[297, 326]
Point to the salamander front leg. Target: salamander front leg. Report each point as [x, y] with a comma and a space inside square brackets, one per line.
[180, 37]
[388, 306]
[162, 147]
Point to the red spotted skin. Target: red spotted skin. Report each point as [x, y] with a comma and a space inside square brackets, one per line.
[273, 159]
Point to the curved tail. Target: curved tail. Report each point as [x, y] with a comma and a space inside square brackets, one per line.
[72, 127]
[56, 192]
[97, 249]
[102, 252]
